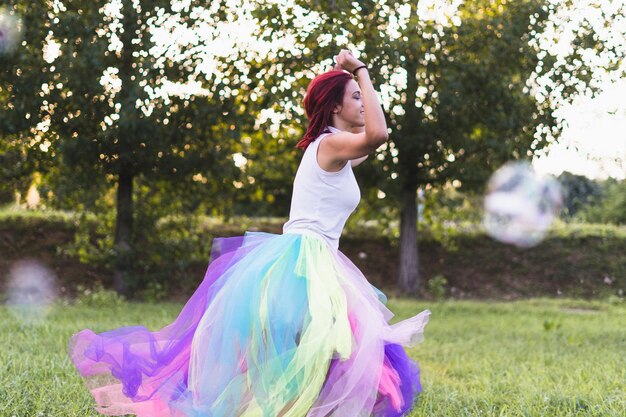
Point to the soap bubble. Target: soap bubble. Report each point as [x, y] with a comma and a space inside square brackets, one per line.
[520, 204]
[10, 31]
[31, 291]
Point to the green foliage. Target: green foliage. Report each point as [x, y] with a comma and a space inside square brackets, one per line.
[153, 292]
[108, 118]
[579, 191]
[449, 213]
[163, 255]
[575, 259]
[106, 130]
[93, 244]
[552, 325]
[437, 287]
[23, 149]
[77, 188]
[374, 217]
[593, 201]
[13, 215]
[610, 207]
[267, 176]
[467, 82]
[455, 89]
[448, 128]
[582, 231]
[163, 250]
[97, 296]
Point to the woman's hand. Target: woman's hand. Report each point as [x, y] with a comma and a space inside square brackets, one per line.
[345, 60]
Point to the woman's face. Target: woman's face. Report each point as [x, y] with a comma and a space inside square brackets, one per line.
[351, 109]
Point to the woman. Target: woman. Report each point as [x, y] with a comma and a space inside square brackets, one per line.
[282, 325]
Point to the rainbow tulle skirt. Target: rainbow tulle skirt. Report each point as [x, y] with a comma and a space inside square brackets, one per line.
[281, 326]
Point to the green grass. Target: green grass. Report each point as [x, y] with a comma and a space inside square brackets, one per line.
[528, 358]
[531, 358]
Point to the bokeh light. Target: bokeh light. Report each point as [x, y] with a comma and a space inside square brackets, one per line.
[520, 204]
[10, 31]
[31, 291]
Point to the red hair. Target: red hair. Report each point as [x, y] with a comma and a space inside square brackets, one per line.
[324, 92]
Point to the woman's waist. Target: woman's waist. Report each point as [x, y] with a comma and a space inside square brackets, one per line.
[333, 242]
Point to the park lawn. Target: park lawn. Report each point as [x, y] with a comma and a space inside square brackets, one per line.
[527, 358]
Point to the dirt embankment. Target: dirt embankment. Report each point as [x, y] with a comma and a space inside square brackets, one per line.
[583, 266]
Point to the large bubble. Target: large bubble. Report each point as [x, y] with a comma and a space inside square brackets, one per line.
[520, 204]
[10, 31]
[31, 291]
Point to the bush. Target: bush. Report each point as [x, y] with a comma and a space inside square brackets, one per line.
[162, 251]
[97, 296]
[579, 192]
[611, 206]
[437, 286]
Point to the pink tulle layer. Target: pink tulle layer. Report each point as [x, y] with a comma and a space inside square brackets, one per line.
[281, 325]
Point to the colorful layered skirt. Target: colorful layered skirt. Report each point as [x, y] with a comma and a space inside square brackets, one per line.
[282, 325]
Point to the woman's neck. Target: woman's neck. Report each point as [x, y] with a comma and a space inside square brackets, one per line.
[337, 124]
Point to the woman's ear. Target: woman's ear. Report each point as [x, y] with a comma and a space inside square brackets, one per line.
[336, 109]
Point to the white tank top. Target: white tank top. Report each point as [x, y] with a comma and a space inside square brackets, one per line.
[322, 201]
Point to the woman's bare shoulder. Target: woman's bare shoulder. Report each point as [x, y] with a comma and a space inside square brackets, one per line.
[345, 146]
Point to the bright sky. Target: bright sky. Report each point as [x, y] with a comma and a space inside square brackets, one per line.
[594, 143]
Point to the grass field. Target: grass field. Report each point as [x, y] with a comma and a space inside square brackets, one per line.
[527, 358]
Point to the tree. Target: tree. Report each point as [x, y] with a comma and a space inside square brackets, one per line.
[23, 72]
[436, 79]
[579, 191]
[457, 82]
[609, 206]
[114, 118]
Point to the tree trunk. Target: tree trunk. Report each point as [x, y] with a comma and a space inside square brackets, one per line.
[123, 232]
[127, 97]
[409, 265]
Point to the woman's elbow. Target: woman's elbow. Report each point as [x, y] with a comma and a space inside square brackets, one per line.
[377, 138]
[382, 137]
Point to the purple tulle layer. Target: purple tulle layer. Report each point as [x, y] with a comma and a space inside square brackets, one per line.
[206, 362]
